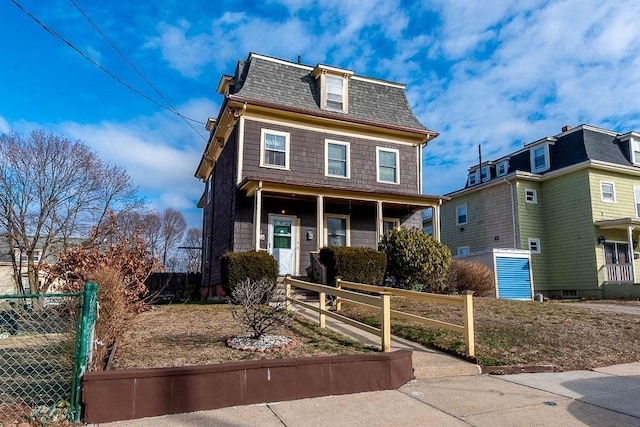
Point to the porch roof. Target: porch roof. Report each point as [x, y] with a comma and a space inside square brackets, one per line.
[250, 185]
[619, 223]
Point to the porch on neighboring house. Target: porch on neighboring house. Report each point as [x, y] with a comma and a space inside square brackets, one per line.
[292, 222]
[619, 240]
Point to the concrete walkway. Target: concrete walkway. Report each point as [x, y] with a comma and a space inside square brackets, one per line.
[604, 397]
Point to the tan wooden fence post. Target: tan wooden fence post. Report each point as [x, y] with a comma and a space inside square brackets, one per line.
[338, 299]
[287, 295]
[385, 321]
[323, 307]
[469, 335]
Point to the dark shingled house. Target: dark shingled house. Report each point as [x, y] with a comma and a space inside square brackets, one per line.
[302, 157]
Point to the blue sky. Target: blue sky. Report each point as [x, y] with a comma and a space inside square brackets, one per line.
[496, 73]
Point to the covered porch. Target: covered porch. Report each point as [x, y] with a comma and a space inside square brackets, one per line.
[323, 216]
[619, 240]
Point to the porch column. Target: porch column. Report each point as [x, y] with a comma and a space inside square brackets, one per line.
[257, 216]
[632, 260]
[379, 220]
[435, 222]
[320, 222]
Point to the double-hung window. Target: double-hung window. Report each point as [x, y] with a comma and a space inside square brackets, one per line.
[502, 168]
[530, 196]
[388, 166]
[461, 215]
[337, 159]
[534, 245]
[540, 158]
[334, 92]
[274, 149]
[337, 230]
[636, 194]
[635, 151]
[608, 192]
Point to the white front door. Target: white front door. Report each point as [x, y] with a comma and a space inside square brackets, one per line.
[283, 241]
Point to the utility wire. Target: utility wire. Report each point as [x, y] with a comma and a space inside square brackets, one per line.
[151, 85]
[82, 54]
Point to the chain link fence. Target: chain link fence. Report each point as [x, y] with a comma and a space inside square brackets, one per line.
[43, 353]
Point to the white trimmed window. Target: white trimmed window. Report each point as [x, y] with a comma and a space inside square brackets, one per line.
[337, 159]
[461, 214]
[463, 250]
[274, 149]
[503, 167]
[540, 158]
[485, 174]
[473, 178]
[337, 230]
[334, 94]
[635, 151]
[636, 194]
[390, 224]
[608, 192]
[530, 196]
[534, 245]
[387, 160]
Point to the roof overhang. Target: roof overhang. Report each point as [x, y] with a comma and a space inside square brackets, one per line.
[617, 224]
[250, 185]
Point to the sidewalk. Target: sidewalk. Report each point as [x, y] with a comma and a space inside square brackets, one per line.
[604, 397]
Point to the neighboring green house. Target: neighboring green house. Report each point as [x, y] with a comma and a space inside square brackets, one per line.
[573, 200]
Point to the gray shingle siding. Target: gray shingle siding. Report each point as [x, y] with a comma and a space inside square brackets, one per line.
[307, 160]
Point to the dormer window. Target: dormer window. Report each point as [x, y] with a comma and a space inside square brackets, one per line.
[503, 167]
[485, 174]
[635, 151]
[540, 158]
[473, 178]
[334, 87]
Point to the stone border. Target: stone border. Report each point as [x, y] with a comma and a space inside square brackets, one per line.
[137, 393]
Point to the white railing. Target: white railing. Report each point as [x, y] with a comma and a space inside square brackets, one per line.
[618, 273]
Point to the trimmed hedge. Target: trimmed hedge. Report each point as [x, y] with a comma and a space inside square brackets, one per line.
[237, 267]
[361, 265]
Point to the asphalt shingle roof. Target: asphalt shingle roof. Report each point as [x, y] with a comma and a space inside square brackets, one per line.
[291, 85]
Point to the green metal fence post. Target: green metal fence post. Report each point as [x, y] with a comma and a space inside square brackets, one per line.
[84, 342]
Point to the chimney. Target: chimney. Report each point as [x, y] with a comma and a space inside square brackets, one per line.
[566, 128]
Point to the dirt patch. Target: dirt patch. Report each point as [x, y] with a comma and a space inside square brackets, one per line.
[565, 336]
[186, 334]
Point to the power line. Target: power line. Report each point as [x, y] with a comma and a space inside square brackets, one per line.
[151, 85]
[108, 72]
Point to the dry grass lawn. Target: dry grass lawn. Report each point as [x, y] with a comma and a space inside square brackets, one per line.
[192, 334]
[519, 332]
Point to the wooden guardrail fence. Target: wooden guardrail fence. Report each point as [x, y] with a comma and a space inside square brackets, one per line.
[382, 300]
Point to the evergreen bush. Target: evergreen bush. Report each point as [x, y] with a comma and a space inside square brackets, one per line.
[238, 267]
[361, 265]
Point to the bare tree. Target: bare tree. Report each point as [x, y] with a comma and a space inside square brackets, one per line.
[173, 226]
[192, 250]
[52, 190]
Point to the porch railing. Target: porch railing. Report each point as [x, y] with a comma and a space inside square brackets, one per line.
[618, 273]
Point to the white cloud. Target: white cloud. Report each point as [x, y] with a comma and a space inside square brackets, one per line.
[4, 126]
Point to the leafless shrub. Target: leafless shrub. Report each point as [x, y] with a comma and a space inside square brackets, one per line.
[471, 276]
[259, 306]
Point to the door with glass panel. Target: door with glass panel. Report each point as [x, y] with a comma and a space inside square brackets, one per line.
[282, 242]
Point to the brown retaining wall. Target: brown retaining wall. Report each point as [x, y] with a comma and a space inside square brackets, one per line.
[138, 393]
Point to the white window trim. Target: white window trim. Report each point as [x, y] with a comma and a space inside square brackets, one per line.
[326, 158]
[613, 192]
[396, 221]
[287, 149]
[397, 153]
[475, 174]
[209, 190]
[506, 168]
[536, 242]
[636, 191]
[466, 210]
[345, 92]
[464, 249]
[632, 152]
[546, 158]
[486, 169]
[534, 196]
[348, 230]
